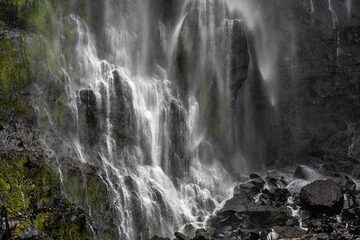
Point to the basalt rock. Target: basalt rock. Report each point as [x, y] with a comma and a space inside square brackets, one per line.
[122, 111]
[159, 238]
[322, 196]
[251, 211]
[89, 122]
[180, 236]
[202, 234]
[250, 188]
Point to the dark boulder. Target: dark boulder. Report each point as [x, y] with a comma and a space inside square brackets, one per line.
[254, 176]
[289, 232]
[243, 212]
[159, 238]
[272, 182]
[276, 197]
[202, 234]
[347, 184]
[250, 187]
[276, 179]
[352, 213]
[180, 236]
[322, 196]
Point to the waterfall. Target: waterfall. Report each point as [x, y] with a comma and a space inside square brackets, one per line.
[348, 7]
[335, 21]
[312, 9]
[127, 114]
[266, 40]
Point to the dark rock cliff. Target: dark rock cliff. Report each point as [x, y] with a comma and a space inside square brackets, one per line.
[316, 114]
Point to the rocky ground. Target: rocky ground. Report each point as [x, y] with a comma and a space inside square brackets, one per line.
[289, 204]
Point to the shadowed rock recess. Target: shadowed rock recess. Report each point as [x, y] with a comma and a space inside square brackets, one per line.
[179, 119]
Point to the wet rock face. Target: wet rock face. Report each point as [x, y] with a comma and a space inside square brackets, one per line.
[178, 131]
[88, 113]
[240, 57]
[122, 112]
[323, 196]
[317, 101]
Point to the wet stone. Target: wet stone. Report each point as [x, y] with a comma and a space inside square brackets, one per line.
[322, 196]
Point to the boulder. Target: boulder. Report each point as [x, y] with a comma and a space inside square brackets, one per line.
[202, 234]
[159, 238]
[250, 187]
[248, 216]
[347, 184]
[322, 196]
[180, 236]
[289, 232]
[254, 176]
[276, 197]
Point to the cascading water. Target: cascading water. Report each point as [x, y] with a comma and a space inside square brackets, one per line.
[128, 114]
[335, 21]
[348, 7]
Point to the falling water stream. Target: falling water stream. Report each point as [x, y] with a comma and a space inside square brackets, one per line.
[129, 118]
[146, 95]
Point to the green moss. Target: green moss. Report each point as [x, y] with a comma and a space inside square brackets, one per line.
[56, 227]
[20, 228]
[14, 67]
[2, 25]
[32, 196]
[27, 54]
[14, 187]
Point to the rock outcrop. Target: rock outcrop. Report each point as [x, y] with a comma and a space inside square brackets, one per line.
[315, 82]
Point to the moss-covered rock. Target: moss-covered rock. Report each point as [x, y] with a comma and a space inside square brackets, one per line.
[34, 204]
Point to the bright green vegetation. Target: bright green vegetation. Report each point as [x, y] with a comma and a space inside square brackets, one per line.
[23, 50]
[30, 51]
[30, 191]
[30, 194]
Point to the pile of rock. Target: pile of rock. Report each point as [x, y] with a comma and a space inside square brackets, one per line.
[200, 234]
[263, 208]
